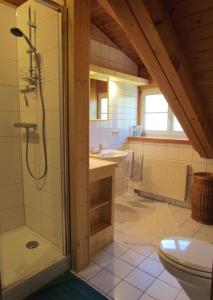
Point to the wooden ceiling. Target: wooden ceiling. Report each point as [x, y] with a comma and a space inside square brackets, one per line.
[192, 21]
[104, 21]
[112, 29]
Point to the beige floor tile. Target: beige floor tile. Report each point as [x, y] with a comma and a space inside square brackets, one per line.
[140, 279]
[155, 256]
[125, 291]
[162, 291]
[103, 259]
[90, 271]
[105, 281]
[133, 258]
[168, 278]
[120, 268]
[145, 250]
[146, 297]
[182, 296]
[116, 249]
[152, 267]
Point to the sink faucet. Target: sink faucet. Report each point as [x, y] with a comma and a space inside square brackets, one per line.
[100, 148]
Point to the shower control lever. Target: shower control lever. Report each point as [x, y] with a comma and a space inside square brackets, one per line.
[26, 125]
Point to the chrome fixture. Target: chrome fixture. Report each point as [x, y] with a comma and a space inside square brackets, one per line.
[35, 81]
[100, 148]
[18, 33]
[32, 244]
[26, 125]
[27, 89]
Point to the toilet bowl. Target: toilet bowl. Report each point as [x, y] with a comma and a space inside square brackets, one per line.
[190, 261]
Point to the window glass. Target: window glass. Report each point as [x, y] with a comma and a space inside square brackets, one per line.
[158, 116]
[156, 121]
[155, 103]
[176, 124]
[104, 108]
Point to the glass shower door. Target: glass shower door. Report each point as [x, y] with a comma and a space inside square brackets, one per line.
[32, 142]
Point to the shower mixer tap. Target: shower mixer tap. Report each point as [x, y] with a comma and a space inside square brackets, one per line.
[26, 125]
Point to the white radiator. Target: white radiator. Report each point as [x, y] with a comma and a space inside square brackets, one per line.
[165, 178]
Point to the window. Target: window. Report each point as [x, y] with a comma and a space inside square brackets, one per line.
[157, 117]
[103, 108]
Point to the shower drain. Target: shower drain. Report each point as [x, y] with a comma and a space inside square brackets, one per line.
[32, 244]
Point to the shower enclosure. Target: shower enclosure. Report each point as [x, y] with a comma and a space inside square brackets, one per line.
[34, 244]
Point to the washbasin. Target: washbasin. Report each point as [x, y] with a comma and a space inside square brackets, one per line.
[110, 154]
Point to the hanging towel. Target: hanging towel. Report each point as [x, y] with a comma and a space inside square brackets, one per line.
[137, 167]
[129, 165]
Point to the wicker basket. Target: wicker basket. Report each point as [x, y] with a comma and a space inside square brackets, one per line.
[202, 198]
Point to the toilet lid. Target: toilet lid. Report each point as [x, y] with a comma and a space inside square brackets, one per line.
[188, 252]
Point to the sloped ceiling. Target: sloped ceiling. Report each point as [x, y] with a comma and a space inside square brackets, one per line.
[151, 27]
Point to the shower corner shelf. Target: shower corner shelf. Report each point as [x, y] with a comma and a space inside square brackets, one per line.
[101, 207]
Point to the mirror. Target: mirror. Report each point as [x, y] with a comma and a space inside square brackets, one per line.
[98, 102]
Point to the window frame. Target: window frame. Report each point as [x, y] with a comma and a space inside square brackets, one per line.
[159, 133]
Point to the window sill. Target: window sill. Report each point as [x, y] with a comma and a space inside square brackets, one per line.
[162, 140]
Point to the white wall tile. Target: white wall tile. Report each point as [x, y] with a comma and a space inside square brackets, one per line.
[10, 148]
[11, 218]
[9, 98]
[185, 153]
[51, 206]
[9, 72]
[7, 120]
[11, 173]
[9, 50]
[52, 230]
[171, 152]
[48, 33]
[11, 196]
[33, 219]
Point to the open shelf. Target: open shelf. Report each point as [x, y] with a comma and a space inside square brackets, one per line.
[98, 204]
[100, 218]
[95, 228]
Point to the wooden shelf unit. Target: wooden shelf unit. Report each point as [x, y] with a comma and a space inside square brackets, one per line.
[100, 204]
[101, 210]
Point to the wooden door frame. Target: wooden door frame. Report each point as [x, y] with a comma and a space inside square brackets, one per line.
[78, 102]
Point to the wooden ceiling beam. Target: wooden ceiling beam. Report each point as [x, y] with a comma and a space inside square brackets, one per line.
[150, 32]
[15, 2]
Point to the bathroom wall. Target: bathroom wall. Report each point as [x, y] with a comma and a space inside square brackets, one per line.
[43, 198]
[112, 58]
[11, 193]
[122, 106]
[177, 153]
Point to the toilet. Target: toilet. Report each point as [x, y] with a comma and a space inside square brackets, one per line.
[190, 261]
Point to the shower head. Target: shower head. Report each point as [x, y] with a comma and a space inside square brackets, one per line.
[18, 33]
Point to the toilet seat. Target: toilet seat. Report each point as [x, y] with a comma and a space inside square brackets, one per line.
[189, 255]
[189, 271]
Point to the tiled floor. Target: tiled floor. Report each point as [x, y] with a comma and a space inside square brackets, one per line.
[129, 268]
